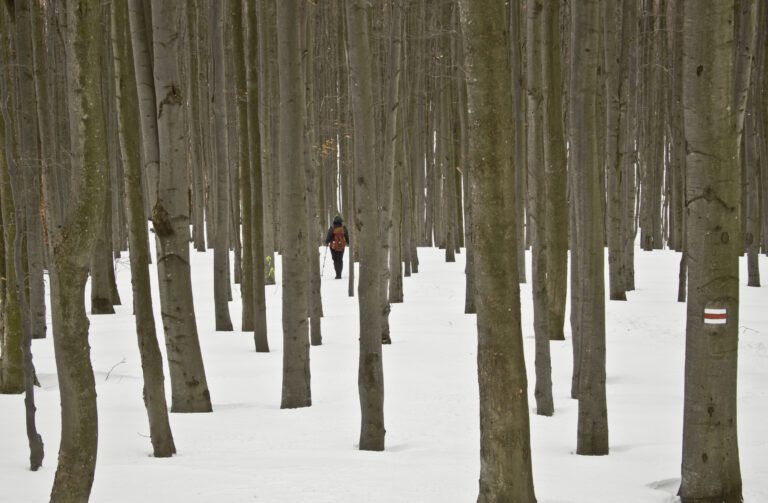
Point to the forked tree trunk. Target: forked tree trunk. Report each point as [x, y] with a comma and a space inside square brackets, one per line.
[505, 451]
[710, 467]
[293, 211]
[370, 377]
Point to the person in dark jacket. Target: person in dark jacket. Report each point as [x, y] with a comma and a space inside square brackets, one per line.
[338, 239]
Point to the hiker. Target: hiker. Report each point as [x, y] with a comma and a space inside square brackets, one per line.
[338, 239]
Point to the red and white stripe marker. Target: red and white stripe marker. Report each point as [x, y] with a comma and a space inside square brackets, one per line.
[715, 316]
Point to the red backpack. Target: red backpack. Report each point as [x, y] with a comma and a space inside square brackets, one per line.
[339, 242]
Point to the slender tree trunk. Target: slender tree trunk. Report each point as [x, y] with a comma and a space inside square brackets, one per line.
[11, 357]
[537, 207]
[219, 97]
[589, 301]
[516, 38]
[16, 337]
[370, 379]
[170, 217]
[505, 452]
[149, 348]
[556, 177]
[30, 165]
[293, 210]
[613, 45]
[311, 172]
[255, 172]
[710, 467]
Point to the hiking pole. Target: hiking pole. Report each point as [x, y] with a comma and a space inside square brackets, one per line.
[324, 256]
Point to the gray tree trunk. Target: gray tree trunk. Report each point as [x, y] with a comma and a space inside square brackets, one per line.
[588, 301]
[556, 177]
[255, 172]
[127, 125]
[219, 97]
[537, 208]
[370, 377]
[505, 452]
[170, 217]
[613, 36]
[710, 467]
[293, 210]
[69, 251]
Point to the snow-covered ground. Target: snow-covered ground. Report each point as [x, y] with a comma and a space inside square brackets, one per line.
[250, 450]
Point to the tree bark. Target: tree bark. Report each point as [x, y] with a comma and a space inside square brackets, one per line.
[589, 301]
[293, 210]
[219, 97]
[69, 251]
[713, 125]
[505, 452]
[170, 218]
[129, 139]
[255, 172]
[370, 378]
[556, 176]
[537, 209]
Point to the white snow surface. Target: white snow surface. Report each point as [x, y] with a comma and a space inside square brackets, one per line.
[249, 450]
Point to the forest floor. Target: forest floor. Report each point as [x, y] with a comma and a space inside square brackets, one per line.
[250, 450]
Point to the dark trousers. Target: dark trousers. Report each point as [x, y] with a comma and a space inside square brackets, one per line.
[338, 261]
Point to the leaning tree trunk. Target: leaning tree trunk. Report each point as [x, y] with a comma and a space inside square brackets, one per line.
[588, 297]
[293, 210]
[170, 217]
[713, 126]
[129, 139]
[69, 249]
[370, 377]
[505, 451]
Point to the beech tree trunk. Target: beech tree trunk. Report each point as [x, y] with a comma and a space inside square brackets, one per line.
[170, 217]
[370, 377]
[588, 301]
[69, 252]
[713, 126]
[537, 209]
[219, 96]
[293, 209]
[126, 98]
[505, 452]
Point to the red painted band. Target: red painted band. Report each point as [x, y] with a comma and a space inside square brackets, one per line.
[715, 316]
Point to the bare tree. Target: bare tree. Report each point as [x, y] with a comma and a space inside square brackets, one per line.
[370, 377]
[505, 452]
[713, 82]
[170, 213]
[293, 209]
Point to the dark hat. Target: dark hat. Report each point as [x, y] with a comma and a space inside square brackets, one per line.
[337, 220]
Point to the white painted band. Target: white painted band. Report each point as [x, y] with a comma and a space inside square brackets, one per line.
[721, 321]
[711, 310]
